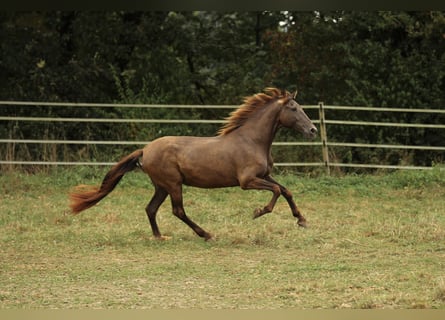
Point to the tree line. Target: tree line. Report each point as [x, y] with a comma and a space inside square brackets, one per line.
[381, 59]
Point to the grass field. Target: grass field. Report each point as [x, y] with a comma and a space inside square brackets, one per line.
[372, 242]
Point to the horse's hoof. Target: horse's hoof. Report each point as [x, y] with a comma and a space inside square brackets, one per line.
[302, 224]
[257, 213]
[162, 238]
[209, 237]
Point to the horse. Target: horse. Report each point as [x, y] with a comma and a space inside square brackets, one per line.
[239, 155]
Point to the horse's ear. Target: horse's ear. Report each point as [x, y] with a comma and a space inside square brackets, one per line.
[295, 94]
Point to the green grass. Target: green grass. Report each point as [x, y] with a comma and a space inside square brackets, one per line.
[372, 242]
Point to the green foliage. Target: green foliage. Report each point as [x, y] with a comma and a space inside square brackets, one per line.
[380, 59]
[387, 59]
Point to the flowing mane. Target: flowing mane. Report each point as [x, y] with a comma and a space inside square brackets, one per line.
[238, 117]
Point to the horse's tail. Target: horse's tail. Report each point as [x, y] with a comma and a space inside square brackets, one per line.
[84, 197]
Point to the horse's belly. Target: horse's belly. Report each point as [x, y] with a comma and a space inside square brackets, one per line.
[198, 162]
[204, 177]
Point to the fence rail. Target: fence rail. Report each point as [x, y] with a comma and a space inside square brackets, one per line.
[323, 122]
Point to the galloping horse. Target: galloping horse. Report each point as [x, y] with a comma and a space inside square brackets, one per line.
[240, 155]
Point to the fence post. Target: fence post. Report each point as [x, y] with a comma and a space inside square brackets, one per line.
[324, 138]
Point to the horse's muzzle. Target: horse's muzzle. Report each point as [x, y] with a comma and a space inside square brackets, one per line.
[311, 133]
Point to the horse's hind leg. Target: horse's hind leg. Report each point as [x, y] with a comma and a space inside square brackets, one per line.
[152, 209]
[178, 211]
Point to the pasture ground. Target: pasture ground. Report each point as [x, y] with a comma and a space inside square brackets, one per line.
[373, 242]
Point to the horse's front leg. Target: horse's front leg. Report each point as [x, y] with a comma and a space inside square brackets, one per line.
[288, 196]
[262, 184]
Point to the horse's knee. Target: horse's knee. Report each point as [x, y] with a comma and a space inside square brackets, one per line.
[148, 211]
[287, 194]
[244, 184]
[151, 210]
[179, 212]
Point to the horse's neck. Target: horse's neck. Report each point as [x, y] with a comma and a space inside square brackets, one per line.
[262, 127]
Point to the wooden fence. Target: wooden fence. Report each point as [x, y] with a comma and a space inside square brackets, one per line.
[323, 123]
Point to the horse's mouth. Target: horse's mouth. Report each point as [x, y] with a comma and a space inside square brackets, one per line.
[311, 133]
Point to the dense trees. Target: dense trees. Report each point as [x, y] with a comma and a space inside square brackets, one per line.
[394, 59]
[378, 58]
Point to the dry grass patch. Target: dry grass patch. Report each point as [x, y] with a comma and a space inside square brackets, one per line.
[372, 242]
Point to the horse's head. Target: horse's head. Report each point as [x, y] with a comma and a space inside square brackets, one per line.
[293, 116]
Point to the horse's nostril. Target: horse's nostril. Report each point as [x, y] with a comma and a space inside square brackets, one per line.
[314, 130]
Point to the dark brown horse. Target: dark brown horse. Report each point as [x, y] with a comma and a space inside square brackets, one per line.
[240, 155]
